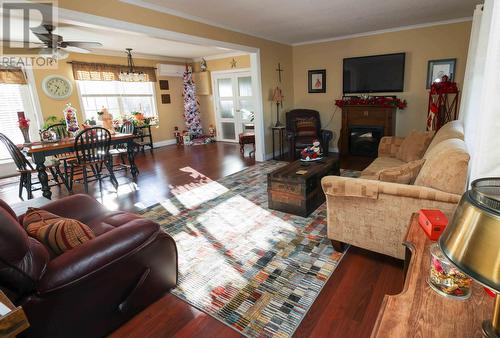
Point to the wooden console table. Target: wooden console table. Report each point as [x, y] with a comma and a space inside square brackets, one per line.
[14, 322]
[418, 311]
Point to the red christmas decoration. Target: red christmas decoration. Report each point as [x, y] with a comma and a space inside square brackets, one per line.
[372, 101]
[443, 103]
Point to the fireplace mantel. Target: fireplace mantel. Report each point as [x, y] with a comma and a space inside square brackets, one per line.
[363, 116]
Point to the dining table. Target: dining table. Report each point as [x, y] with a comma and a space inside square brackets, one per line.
[39, 151]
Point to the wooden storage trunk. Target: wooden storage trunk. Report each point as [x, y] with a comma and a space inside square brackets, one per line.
[300, 194]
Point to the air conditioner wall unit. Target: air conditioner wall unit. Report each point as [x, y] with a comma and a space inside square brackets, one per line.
[170, 70]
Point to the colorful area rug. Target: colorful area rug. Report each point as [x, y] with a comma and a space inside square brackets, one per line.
[255, 269]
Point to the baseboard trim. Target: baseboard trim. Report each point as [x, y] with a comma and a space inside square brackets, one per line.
[164, 143]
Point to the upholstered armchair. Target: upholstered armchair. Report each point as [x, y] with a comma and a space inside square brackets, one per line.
[303, 126]
[90, 290]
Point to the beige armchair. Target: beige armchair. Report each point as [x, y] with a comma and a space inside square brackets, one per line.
[374, 215]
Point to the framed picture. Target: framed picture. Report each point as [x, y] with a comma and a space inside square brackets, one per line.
[164, 84]
[317, 81]
[165, 98]
[436, 69]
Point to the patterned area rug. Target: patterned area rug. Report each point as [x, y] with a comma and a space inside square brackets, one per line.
[255, 269]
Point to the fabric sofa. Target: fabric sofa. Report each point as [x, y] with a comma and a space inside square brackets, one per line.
[374, 215]
[90, 290]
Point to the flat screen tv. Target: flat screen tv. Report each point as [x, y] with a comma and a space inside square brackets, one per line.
[374, 74]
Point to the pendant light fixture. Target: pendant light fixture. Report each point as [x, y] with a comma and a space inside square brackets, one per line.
[131, 75]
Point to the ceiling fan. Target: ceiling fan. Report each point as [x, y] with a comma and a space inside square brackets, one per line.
[53, 44]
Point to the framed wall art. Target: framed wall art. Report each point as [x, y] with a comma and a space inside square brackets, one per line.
[436, 69]
[317, 81]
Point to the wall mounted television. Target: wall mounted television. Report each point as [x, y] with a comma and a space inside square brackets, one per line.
[374, 74]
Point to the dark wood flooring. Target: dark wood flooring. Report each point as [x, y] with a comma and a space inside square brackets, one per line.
[346, 307]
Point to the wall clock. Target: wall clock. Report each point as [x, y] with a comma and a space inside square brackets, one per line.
[57, 87]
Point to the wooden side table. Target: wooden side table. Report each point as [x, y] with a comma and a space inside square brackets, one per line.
[14, 322]
[281, 135]
[419, 311]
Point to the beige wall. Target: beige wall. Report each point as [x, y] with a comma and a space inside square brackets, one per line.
[206, 101]
[270, 52]
[420, 45]
[169, 115]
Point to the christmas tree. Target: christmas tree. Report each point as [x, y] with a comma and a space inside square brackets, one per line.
[191, 105]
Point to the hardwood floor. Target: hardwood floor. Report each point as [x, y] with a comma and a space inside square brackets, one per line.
[346, 307]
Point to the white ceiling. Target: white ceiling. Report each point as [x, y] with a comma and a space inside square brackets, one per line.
[296, 21]
[115, 42]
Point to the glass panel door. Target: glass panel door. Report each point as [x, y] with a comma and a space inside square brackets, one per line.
[234, 104]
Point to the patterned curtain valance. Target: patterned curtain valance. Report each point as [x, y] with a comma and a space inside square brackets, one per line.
[12, 75]
[106, 72]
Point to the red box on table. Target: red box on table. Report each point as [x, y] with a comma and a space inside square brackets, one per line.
[432, 222]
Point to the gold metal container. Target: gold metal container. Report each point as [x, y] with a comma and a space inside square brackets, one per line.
[472, 240]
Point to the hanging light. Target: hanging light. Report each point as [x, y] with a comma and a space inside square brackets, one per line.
[131, 75]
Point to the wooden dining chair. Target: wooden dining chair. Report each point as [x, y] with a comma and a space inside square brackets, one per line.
[121, 149]
[26, 169]
[61, 130]
[92, 155]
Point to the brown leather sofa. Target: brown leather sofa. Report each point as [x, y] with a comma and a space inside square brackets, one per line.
[93, 289]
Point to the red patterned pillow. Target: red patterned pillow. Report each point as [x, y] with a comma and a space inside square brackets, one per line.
[306, 127]
[57, 233]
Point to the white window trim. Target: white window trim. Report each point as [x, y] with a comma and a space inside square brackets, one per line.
[33, 113]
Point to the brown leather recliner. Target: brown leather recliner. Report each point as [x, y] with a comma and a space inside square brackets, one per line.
[91, 290]
[297, 142]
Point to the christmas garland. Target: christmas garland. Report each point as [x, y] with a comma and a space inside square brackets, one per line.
[382, 101]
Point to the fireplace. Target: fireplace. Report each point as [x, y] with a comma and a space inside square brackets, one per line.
[364, 140]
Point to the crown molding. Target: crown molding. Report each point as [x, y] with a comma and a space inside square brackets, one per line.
[108, 52]
[158, 8]
[220, 56]
[383, 31]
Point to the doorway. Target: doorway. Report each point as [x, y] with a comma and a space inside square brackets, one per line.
[234, 103]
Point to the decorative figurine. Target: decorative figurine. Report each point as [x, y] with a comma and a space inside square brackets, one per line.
[177, 135]
[211, 131]
[311, 153]
[107, 121]
[203, 65]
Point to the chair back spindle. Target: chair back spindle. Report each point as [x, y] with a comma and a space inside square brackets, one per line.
[92, 145]
[60, 129]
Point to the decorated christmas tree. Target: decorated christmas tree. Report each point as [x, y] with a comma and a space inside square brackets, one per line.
[191, 105]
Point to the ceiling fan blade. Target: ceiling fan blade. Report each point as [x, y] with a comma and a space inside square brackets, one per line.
[75, 49]
[42, 29]
[81, 44]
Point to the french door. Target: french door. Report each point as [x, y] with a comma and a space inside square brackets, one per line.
[234, 103]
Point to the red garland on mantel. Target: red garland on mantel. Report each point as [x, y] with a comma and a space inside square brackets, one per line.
[372, 101]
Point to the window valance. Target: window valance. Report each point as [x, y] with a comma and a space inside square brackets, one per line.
[106, 72]
[12, 75]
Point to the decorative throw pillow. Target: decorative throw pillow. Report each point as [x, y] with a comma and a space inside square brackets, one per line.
[414, 145]
[57, 233]
[405, 174]
[446, 167]
[306, 127]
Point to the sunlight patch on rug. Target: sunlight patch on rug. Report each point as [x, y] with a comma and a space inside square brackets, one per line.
[255, 269]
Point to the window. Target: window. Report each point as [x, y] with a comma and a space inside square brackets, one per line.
[118, 97]
[15, 98]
